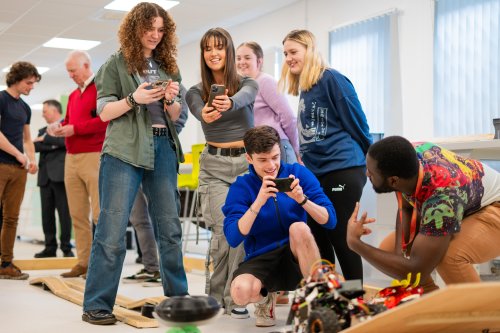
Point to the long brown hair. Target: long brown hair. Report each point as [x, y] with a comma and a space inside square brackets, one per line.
[231, 78]
[134, 25]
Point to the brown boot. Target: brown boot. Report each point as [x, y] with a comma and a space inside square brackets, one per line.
[76, 271]
[12, 272]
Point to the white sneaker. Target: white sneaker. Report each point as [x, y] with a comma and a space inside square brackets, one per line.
[240, 313]
[264, 311]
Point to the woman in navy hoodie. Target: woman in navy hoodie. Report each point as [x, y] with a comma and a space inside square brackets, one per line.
[334, 138]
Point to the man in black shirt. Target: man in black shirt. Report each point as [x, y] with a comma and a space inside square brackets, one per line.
[15, 137]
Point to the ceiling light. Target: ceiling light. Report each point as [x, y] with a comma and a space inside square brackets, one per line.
[72, 44]
[40, 70]
[2, 87]
[126, 5]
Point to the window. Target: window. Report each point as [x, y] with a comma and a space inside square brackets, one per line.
[466, 66]
[362, 52]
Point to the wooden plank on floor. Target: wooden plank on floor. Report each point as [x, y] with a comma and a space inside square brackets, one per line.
[123, 301]
[370, 291]
[45, 263]
[195, 264]
[190, 264]
[59, 288]
[459, 308]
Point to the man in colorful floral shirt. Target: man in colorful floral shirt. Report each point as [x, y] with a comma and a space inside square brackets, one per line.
[448, 216]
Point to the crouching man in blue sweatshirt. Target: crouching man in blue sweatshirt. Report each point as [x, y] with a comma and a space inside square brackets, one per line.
[280, 248]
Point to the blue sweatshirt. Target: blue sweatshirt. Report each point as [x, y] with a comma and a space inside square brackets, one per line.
[270, 229]
[333, 131]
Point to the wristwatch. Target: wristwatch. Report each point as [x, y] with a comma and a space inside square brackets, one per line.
[304, 201]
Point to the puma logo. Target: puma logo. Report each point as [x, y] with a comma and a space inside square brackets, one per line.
[339, 188]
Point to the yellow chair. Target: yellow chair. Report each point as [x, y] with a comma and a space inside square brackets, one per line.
[189, 183]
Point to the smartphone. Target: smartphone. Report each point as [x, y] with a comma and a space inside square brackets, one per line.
[216, 90]
[283, 184]
[160, 84]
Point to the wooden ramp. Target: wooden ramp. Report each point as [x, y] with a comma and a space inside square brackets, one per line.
[123, 301]
[61, 289]
[460, 308]
[45, 263]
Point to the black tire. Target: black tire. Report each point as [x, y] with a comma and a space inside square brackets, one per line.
[323, 320]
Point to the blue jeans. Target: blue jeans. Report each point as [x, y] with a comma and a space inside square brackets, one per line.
[287, 152]
[118, 185]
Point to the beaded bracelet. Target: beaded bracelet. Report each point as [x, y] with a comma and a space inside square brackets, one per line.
[169, 102]
[131, 100]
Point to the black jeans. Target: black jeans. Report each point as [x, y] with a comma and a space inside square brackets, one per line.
[344, 189]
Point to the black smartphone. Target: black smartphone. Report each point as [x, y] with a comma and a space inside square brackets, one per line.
[160, 84]
[215, 90]
[283, 184]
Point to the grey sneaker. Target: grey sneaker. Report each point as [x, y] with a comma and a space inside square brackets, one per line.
[240, 313]
[140, 276]
[264, 311]
[154, 281]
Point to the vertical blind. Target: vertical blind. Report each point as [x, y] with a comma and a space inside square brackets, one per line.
[362, 52]
[466, 66]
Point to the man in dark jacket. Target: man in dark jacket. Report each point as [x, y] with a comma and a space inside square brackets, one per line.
[51, 181]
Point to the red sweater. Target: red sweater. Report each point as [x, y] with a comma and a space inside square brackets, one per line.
[90, 130]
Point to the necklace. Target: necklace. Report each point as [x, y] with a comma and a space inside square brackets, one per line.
[413, 221]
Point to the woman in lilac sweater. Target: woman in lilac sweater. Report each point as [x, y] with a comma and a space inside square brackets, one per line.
[271, 107]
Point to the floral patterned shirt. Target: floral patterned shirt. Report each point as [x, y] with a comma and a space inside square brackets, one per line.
[452, 188]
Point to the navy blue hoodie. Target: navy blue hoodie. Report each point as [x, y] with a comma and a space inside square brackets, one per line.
[333, 131]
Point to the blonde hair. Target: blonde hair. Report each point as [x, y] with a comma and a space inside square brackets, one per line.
[313, 69]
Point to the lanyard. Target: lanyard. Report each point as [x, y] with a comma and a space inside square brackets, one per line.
[413, 221]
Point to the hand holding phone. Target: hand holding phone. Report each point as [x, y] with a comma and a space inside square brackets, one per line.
[215, 90]
[163, 84]
[283, 184]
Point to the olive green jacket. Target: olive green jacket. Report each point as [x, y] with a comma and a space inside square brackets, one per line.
[129, 137]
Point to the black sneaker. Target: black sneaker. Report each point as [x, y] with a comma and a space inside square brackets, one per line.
[68, 254]
[45, 254]
[155, 281]
[141, 276]
[99, 317]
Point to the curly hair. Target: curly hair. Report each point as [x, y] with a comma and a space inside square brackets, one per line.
[137, 22]
[395, 156]
[21, 70]
[231, 78]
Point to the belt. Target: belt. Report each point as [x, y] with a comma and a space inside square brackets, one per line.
[233, 152]
[160, 131]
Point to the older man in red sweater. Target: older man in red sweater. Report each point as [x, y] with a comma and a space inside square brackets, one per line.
[84, 132]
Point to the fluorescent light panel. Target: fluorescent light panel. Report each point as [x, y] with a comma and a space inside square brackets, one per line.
[127, 5]
[40, 69]
[72, 44]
